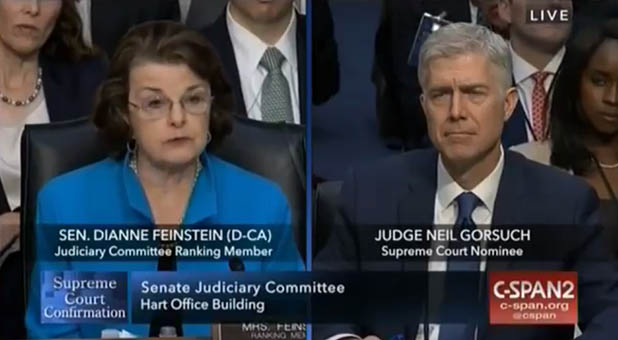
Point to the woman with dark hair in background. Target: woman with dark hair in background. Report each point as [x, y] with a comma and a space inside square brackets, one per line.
[584, 114]
[164, 103]
[47, 74]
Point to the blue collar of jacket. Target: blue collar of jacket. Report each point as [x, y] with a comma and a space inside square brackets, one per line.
[202, 202]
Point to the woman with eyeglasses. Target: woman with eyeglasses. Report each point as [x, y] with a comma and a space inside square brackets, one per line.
[164, 103]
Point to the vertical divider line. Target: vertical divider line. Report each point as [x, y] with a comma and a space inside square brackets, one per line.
[308, 148]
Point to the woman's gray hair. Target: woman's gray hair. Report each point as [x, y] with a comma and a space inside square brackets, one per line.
[463, 38]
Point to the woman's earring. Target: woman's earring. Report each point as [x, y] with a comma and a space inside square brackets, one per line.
[131, 146]
[208, 137]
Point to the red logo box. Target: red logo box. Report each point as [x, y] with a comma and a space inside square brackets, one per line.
[532, 298]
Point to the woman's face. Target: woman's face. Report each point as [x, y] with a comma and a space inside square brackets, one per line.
[25, 25]
[599, 89]
[169, 138]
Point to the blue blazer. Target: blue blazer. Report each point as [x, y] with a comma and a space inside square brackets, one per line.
[108, 192]
[401, 191]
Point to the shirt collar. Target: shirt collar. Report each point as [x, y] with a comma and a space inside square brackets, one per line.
[474, 12]
[202, 202]
[252, 48]
[486, 190]
[523, 70]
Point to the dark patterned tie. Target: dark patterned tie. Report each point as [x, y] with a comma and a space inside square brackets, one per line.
[461, 282]
[276, 101]
[481, 20]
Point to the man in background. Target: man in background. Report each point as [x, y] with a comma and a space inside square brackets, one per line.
[106, 21]
[537, 50]
[262, 46]
[198, 14]
[400, 118]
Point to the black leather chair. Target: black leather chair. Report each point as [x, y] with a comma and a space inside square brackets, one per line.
[326, 213]
[275, 151]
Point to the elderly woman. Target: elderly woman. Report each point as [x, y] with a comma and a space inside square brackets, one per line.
[164, 103]
[47, 74]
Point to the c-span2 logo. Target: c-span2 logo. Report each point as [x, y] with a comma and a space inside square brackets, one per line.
[532, 298]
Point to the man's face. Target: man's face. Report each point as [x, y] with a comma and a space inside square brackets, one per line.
[546, 36]
[263, 11]
[466, 107]
[490, 9]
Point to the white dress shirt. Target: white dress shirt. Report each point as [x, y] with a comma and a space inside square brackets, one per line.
[248, 50]
[83, 9]
[445, 214]
[10, 148]
[301, 6]
[446, 210]
[522, 73]
[184, 6]
[474, 12]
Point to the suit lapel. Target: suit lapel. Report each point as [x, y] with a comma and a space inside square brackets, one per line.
[97, 22]
[220, 37]
[55, 96]
[507, 212]
[507, 208]
[416, 208]
[4, 204]
[301, 54]
[515, 128]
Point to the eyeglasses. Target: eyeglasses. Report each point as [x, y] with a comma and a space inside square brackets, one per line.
[158, 106]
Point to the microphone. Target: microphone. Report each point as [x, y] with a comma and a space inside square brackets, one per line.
[236, 265]
[166, 319]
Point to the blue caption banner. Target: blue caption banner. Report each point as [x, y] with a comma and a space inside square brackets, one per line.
[83, 297]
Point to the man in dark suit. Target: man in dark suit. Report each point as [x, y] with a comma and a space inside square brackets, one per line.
[324, 55]
[397, 89]
[107, 21]
[262, 46]
[469, 181]
[537, 52]
[203, 13]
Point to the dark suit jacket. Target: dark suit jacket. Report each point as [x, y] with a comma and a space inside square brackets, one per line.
[69, 92]
[515, 131]
[401, 191]
[324, 55]
[111, 19]
[219, 35]
[397, 88]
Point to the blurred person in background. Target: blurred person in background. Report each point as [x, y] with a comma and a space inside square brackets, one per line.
[262, 46]
[537, 50]
[201, 13]
[47, 74]
[106, 21]
[584, 114]
[197, 14]
[164, 103]
[400, 117]
[325, 75]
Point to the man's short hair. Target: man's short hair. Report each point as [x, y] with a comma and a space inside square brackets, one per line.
[464, 38]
